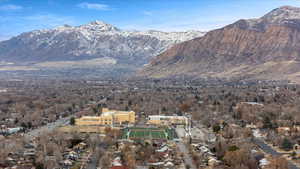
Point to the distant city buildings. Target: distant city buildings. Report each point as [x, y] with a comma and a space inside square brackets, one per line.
[110, 117]
[168, 120]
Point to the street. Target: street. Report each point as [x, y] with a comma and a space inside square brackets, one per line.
[187, 158]
[269, 150]
[96, 156]
[93, 163]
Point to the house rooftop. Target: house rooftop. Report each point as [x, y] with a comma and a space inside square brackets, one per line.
[108, 113]
[166, 116]
[118, 167]
[95, 117]
[111, 112]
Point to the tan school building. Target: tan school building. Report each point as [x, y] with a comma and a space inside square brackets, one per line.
[108, 117]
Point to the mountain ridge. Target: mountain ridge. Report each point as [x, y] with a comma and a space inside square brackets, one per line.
[244, 49]
[90, 41]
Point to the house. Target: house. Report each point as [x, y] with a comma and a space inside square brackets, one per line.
[296, 149]
[252, 103]
[168, 164]
[67, 163]
[212, 161]
[251, 126]
[284, 130]
[118, 167]
[117, 162]
[29, 153]
[156, 163]
[108, 117]
[9, 131]
[263, 162]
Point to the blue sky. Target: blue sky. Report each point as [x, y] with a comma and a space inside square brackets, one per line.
[17, 16]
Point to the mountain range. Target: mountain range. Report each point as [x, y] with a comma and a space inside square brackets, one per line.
[93, 45]
[266, 48]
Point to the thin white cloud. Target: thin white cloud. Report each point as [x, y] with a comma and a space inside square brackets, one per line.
[147, 13]
[95, 6]
[10, 7]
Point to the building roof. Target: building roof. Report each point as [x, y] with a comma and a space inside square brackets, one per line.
[162, 116]
[108, 113]
[263, 162]
[118, 167]
[95, 117]
[111, 112]
[253, 103]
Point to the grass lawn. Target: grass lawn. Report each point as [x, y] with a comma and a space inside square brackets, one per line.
[148, 133]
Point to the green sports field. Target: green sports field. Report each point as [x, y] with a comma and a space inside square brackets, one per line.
[148, 133]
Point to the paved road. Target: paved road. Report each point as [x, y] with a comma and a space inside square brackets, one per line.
[187, 158]
[94, 160]
[269, 150]
[93, 163]
[97, 155]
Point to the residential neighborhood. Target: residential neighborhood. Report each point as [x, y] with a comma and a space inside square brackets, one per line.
[118, 127]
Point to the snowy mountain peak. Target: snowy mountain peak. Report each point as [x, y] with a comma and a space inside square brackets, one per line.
[67, 26]
[283, 13]
[97, 22]
[99, 26]
[288, 8]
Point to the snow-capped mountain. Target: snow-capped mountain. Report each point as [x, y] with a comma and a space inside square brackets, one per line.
[285, 15]
[282, 14]
[92, 41]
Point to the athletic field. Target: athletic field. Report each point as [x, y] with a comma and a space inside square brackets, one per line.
[148, 133]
